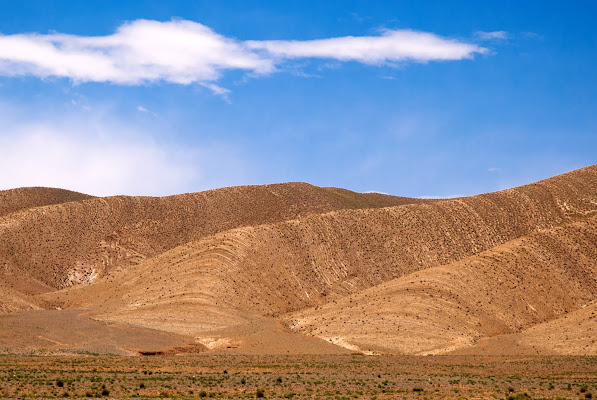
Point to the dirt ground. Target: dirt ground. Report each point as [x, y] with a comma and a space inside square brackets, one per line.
[314, 377]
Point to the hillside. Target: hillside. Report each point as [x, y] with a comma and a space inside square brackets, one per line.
[23, 198]
[75, 242]
[208, 287]
[573, 333]
[285, 268]
[525, 282]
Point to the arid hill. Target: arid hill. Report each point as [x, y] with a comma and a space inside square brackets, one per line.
[297, 268]
[523, 283]
[23, 198]
[75, 242]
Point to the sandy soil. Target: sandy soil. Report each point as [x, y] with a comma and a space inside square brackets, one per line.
[65, 331]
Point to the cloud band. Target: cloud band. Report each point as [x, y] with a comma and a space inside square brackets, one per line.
[186, 52]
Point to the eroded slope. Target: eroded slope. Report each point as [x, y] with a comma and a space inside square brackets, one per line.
[505, 290]
[573, 333]
[76, 242]
[221, 281]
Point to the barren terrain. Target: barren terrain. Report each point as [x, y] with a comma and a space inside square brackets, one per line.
[297, 269]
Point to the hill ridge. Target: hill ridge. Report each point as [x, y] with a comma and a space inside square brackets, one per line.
[21, 199]
[73, 242]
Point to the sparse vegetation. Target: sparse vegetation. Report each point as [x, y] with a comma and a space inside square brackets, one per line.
[297, 377]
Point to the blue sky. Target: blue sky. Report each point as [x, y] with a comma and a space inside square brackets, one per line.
[413, 98]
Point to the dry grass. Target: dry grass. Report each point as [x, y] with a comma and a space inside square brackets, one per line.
[299, 377]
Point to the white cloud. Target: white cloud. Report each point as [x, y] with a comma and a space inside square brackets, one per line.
[390, 46]
[99, 156]
[145, 110]
[186, 52]
[218, 90]
[47, 156]
[141, 51]
[495, 35]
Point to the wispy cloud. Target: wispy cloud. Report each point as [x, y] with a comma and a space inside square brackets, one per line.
[93, 155]
[186, 52]
[495, 35]
[390, 46]
[47, 156]
[147, 111]
[217, 90]
[532, 35]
